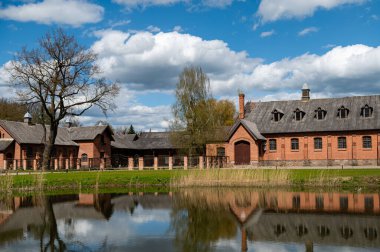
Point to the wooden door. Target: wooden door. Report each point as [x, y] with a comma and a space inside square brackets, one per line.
[242, 153]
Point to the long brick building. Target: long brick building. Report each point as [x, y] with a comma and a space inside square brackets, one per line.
[305, 132]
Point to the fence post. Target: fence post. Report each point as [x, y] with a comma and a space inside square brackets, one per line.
[170, 162]
[67, 164]
[14, 164]
[207, 162]
[101, 165]
[201, 165]
[56, 164]
[130, 163]
[5, 164]
[141, 163]
[35, 164]
[24, 164]
[155, 160]
[185, 162]
[78, 164]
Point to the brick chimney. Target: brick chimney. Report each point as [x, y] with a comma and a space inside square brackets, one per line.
[241, 106]
[305, 92]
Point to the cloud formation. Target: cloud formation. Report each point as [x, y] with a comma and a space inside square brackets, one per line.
[67, 12]
[307, 30]
[267, 33]
[273, 10]
[194, 4]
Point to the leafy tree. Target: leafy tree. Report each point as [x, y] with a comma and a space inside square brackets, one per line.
[197, 115]
[62, 78]
[131, 130]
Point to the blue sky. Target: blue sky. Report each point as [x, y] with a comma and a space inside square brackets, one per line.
[267, 48]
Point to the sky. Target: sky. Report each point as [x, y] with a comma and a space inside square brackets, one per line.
[266, 48]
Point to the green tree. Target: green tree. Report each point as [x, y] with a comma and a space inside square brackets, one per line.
[131, 130]
[61, 77]
[197, 115]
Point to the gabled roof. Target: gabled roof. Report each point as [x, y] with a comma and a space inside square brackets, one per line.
[249, 126]
[5, 143]
[87, 133]
[261, 114]
[143, 141]
[24, 133]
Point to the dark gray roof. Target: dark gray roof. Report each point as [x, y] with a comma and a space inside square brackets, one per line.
[4, 143]
[249, 126]
[143, 141]
[261, 114]
[33, 134]
[87, 133]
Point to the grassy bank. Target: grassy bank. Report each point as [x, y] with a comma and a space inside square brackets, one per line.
[350, 178]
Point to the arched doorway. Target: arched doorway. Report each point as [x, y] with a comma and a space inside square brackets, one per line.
[242, 153]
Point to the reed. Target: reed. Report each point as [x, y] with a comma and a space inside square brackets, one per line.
[230, 177]
[6, 183]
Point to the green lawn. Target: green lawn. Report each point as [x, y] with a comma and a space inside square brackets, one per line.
[162, 178]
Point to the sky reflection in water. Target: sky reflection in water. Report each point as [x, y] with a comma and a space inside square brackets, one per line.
[192, 220]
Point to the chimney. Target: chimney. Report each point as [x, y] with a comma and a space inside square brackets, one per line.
[305, 92]
[241, 106]
[27, 118]
[68, 123]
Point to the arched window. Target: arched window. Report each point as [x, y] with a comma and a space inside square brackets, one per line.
[84, 157]
[320, 114]
[298, 114]
[277, 115]
[367, 142]
[318, 143]
[343, 112]
[366, 111]
[272, 144]
[294, 144]
[342, 143]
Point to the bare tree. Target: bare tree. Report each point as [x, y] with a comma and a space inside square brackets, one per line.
[198, 117]
[62, 78]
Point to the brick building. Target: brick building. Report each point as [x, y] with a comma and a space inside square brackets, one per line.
[305, 132]
[21, 145]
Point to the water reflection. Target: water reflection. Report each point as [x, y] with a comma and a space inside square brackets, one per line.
[192, 220]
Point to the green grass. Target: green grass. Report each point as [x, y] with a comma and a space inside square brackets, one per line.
[163, 179]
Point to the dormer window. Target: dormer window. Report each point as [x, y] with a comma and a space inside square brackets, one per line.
[343, 112]
[298, 114]
[320, 114]
[366, 111]
[277, 115]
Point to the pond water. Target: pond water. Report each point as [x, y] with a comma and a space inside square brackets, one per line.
[192, 220]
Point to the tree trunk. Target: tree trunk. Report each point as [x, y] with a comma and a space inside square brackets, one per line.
[49, 145]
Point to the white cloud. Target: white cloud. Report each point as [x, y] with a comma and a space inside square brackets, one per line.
[267, 33]
[68, 12]
[217, 3]
[146, 3]
[308, 30]
[272, 10]
[154, 61]
[153, 29]
[177, 28]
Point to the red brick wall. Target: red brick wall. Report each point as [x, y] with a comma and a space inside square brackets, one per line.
[93, 148]
[306, 151]
[3, 133]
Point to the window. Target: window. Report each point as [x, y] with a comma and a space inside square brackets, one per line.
[319, 203]
[343, 112]
[318, 143]
[29, 152]
[368, 204]
[296, 202]
[84, 157]
[343, 203]
[277, 115]
[272, 144]
[323, 231]
[367, 142]
[320, 114]
[298, 115]
[342, 143]
[366, 111]
[294, 144]
[220, 151]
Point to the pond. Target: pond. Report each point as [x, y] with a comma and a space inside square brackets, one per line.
[192, 220]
